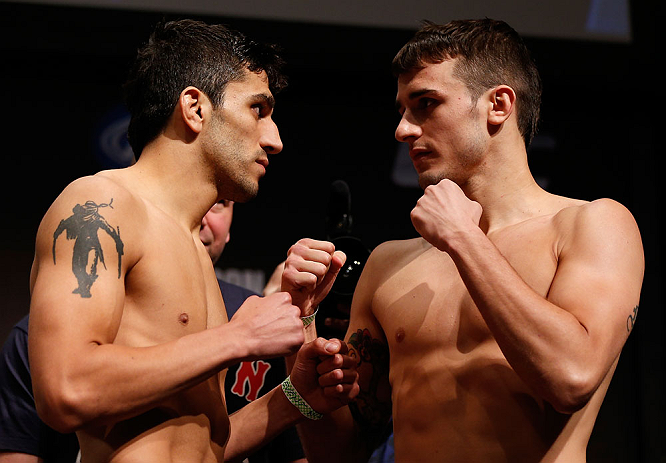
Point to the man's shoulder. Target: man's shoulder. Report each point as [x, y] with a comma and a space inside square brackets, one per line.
[94, 195]
[602, 224]
[396, 249]
[605, 207]
[100, 182]
[89, 208]
[601, 213]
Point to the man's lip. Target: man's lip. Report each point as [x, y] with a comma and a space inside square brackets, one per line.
[263, 162]
[417, 153]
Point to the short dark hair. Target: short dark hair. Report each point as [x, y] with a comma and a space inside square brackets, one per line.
[490, 53]
[190, 53]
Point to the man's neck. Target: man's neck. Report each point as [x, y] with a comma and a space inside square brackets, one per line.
[506, 189]
[172, 177]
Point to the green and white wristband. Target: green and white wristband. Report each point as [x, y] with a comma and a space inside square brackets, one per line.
[299, 402]
[310, 318]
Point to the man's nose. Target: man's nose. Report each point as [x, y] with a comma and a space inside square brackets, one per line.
[271, 141]
[406, 130]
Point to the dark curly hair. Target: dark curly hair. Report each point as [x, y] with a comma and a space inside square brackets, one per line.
[190, 53]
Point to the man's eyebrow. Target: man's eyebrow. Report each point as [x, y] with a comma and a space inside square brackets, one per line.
[413, 95]
[267, 99]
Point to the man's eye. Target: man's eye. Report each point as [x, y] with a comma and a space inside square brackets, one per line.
[262, 110]
[425, 103]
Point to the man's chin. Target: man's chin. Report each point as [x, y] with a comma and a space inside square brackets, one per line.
[243, 190]
[429, 178]
[248, 193]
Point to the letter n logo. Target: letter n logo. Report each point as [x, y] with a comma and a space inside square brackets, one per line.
[253, 374]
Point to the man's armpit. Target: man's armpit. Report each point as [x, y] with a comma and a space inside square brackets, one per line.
[372, 407]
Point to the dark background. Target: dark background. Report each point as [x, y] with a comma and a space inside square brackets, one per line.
[62, 68]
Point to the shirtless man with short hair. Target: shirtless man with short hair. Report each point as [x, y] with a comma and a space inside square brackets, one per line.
[494, 336]
[129, 338]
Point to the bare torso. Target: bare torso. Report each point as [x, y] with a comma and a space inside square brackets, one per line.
[170, 292]
[455, 397]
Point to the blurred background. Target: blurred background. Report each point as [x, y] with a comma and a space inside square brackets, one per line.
[63, 63]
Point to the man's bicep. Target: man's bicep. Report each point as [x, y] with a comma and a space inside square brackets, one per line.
[77, 296]
[600, 273]
[78, 274]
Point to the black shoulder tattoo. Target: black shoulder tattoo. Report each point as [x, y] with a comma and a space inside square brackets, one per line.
[372, 407]
[631, 319]
[82, 227]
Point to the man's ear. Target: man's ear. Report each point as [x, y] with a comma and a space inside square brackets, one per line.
[193, 106]
[502, 102]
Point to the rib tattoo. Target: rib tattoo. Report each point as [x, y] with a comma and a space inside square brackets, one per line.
[370, 410]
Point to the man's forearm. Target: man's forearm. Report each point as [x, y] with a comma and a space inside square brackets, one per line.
[545, 344]
[80, 395]
[335, 437]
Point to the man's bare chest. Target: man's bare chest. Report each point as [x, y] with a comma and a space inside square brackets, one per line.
[172, 291]
[426, 304]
